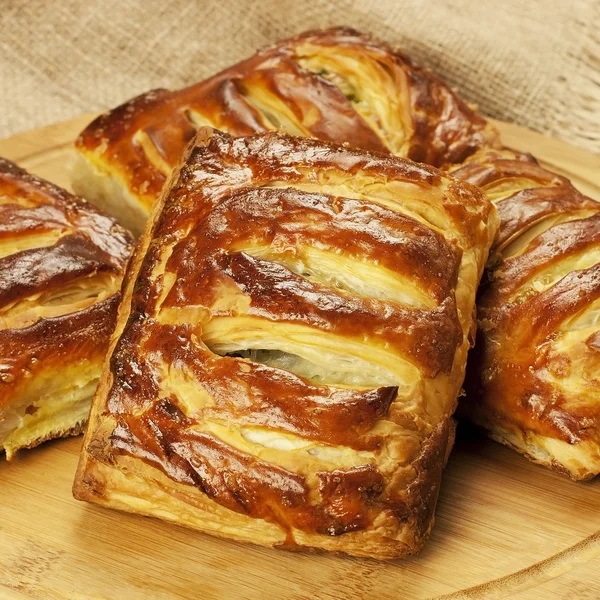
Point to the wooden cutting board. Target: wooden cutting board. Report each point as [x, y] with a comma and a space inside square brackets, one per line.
[505, 528]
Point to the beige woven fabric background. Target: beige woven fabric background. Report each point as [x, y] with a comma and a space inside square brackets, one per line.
[533, 62]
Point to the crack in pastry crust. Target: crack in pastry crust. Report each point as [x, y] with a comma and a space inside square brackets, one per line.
[61, 264]
[276, 456]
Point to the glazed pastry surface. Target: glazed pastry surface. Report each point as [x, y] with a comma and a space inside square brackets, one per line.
[335, 85]
[290, 347]
[534, 378]
[342, 86]
[61, 265]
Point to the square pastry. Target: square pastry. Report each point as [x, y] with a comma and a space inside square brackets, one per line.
[336, 85]
[290, 347]
[61, 266]
[534, 380]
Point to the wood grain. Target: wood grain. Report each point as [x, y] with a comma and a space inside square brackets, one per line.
[505, 528]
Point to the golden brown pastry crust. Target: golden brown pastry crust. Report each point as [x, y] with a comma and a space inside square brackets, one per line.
[535, 372]
[185, 427]
[336, 85]
[61, 263]
[341, 86]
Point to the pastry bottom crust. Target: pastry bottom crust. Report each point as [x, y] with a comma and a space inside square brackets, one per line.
[60, 419]
[579, 461]
[131, 485]
[74, 431]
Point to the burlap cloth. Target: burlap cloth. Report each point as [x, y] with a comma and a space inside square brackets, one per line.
[533, 62]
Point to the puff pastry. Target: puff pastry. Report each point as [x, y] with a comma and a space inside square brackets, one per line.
[342, 86]
[535, 374]
[61, 264]
[290, 347]
[335, 85]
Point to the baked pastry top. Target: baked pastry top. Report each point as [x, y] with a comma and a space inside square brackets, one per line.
[290, 347]
[61, 264]
[342, 86]
[535, 373]
[336, 85]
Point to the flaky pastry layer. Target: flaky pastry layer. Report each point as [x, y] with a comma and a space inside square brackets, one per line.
[336, 85]
[341, 86]
[534, 379]
[61, 265]
[257, 391]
